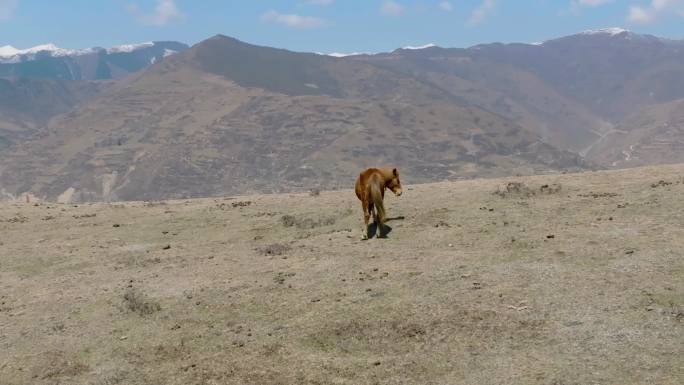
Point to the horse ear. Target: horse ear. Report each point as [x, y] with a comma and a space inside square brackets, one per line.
[395, 172]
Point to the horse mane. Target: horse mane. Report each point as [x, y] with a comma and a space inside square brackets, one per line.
[387, 173]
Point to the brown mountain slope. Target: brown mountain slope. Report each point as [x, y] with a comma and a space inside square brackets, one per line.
[503, 88]
[28, 104]
[653, 135]
[204, 122]
[571, 91]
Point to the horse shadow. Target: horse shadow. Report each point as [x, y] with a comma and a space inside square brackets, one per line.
[384, 231]
[373, 230]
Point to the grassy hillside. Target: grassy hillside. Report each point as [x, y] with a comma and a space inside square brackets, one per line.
[563, 279]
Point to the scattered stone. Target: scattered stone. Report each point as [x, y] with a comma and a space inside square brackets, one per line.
[166, 247]
[116, 225]
[514, 189]
[596, 195]
[306, 223]
[660, 183]
[550, 236]
[137, 302]
[84, 216]
[550, 188]
[18, 219]
[281, 277]
[274, 249]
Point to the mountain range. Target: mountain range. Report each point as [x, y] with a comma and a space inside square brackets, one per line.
[228, 117]
[48, 61]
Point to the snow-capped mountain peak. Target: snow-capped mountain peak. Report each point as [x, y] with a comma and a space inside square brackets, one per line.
[9, 51]
[10, 54]
[129, 47]
[340, 54]
[430, 45]
[606, 31]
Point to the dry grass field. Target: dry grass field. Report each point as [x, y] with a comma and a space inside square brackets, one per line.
[559, 280]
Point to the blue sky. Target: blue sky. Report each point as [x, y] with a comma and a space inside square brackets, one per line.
[327, 25]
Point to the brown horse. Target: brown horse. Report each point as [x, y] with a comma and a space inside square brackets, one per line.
[370, 189]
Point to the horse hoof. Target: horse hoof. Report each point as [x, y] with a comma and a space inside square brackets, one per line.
[364, 237]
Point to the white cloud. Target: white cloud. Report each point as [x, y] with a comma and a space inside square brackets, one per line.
[655, 10]
[319, 2]
[292, 20]
[391, 8]
[7, 8]
[164, 13]
[446, 6]
[480, 13]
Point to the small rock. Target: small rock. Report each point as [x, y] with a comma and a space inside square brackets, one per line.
[550, 236]
[166, 247]
[116, 225]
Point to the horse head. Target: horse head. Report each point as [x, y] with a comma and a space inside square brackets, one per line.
[393, 183]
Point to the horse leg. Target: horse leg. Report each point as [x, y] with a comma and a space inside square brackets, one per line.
[373, 211]
[366, 219]
[379, 225]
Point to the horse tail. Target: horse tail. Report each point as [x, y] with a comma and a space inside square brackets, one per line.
[376, 198]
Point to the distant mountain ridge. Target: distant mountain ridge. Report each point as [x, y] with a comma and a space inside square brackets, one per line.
[228, 117]
[51, 62]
